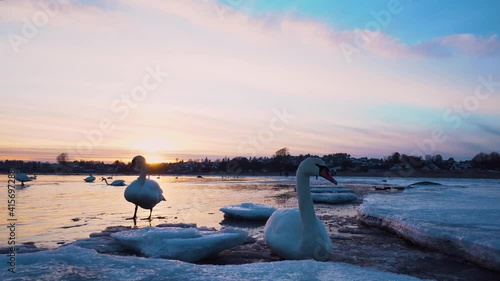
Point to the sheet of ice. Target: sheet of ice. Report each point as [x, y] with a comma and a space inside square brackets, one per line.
[452, 219]
[185, 244]
[75, 263]
[249, 211]
[333, 198]
[329, 189]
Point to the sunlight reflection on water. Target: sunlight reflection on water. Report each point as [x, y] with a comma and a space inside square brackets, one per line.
[60, 209]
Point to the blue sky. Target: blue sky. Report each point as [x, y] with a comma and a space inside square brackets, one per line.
[236, 66]
[419, 20]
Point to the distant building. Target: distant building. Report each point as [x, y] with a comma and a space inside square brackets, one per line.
[461, 166]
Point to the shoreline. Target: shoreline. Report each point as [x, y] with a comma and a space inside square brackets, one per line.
[357, 243]
[354, 242]
[381, 174]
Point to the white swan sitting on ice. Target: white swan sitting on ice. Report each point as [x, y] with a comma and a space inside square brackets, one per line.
[90, 178]
[142, 192]
[298, 233]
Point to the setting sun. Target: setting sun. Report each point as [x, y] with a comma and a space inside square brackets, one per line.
[153, 149]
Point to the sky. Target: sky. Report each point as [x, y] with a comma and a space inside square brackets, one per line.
[108, 80]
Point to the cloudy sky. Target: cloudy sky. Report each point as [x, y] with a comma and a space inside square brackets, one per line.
[107, 80]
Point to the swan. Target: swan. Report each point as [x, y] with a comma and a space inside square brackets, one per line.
[22, 177]
[90, 178]
[114, 183]
[299, 233]
[143, 192]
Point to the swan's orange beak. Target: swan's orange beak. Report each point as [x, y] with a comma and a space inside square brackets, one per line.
[325, 173]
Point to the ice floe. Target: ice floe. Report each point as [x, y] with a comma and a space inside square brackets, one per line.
[185, 244]
[329, 189]
[457, 221]
[248, 211]
[75, 263]
[333, 198]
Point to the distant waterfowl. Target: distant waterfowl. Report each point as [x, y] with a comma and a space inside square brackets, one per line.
[143, 192]
[299, 233]
[22, 177]
[90, 178]
[115, 182]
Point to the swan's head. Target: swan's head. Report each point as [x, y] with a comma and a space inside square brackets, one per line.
[314, 166]
[103, 179]
[139, 161]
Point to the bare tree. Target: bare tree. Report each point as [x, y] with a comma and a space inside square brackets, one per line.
[62, 158]
[282, 152]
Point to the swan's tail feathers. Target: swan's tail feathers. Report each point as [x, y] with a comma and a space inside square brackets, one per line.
[162, 198]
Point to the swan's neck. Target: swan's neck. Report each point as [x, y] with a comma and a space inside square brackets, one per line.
[106, 181]
[306, 206]
[142, 176]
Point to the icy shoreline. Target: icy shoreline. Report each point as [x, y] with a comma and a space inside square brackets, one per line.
[483, 255]
[355, 244]
[75, 263]
[462, 222]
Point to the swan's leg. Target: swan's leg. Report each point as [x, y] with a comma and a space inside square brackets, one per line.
[135, 212]
[135, 215]
[150, 211]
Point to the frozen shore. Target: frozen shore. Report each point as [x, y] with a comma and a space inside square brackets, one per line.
[360, 251]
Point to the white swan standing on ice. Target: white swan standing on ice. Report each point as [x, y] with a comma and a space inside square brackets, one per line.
[22, 177]
[298, 233]
[114, 183]
[143, 192]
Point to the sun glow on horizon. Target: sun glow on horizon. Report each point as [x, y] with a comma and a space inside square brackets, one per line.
[152, 148]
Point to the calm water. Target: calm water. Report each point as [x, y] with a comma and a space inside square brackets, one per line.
[56, 209]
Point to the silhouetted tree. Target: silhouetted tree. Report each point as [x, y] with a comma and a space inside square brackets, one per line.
[62, 158]
[486, 161]
[284, 152]
[438, 160]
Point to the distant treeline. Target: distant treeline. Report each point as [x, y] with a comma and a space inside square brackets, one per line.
[281, 162]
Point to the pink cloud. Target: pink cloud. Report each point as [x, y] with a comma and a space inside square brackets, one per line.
[471, 44]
